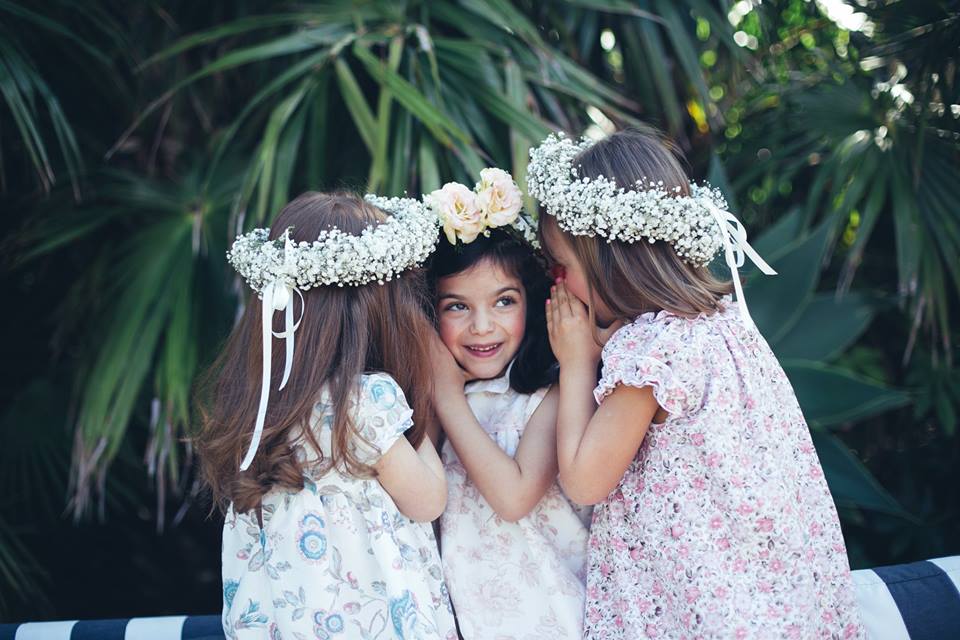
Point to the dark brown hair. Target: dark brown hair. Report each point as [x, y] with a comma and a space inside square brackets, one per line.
[345, 332]
[631, 279]
[534, 365]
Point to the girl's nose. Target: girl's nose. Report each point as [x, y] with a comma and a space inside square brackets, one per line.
[481, 324]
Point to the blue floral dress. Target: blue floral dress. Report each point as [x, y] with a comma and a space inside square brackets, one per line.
[337, 558]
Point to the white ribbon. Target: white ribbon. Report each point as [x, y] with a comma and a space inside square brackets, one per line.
[736, 249]
[277, 296]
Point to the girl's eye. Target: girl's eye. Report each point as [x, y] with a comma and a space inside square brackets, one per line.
[455, 306]
[505, 301]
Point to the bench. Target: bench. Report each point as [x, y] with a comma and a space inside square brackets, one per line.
[916, 601]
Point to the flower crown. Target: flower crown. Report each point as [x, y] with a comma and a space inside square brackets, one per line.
[279, 269]
[495, 201]
[598, 207]
[697, 226]
[379, 253]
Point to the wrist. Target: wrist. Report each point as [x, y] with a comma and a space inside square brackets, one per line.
[449, 403]
[578, 372]
[580, 362]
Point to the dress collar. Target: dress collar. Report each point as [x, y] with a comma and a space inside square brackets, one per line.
[493, 385]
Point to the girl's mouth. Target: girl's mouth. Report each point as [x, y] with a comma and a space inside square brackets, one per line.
[484, 350]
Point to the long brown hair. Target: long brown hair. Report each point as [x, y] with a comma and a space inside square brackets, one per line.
[631, 279]
[345, 332]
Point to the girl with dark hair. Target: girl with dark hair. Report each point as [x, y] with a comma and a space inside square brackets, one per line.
[327, 482]
[713, 518]
[513, 547]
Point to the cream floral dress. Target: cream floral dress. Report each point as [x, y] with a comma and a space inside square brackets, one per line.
[723, 525]
[337, 559]
[511, 580]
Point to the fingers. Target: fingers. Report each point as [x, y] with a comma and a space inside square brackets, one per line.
[565, 297]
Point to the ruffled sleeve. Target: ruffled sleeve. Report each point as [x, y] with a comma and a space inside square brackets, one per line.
[661, 353]
[382, 416]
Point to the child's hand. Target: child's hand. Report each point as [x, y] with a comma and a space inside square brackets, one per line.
[570, 330]
[448, 376]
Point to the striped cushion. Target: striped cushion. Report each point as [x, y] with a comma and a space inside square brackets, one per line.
[166, 628]
[917, 601]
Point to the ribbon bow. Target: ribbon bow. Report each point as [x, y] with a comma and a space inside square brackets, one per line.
[736, 249]
[277, 296]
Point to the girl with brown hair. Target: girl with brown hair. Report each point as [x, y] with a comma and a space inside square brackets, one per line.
[330, 485]
[712, 517]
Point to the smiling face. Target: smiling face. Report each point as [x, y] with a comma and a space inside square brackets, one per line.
[482, 317]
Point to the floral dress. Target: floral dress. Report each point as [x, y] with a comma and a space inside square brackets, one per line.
[723, 525]
[337, 559]
[511, 580]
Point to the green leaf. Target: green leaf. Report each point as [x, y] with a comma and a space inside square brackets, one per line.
[237, 27]
[622, 7]
[646, 38]
[378, 164]
[686, 51]
[401, 166]
[406, 94]
[851, 484]
[356, 104]
[826, 327]
[268, 148]
[55, 27]
[288, 151]
[830, 395]
[427, 164]
[315, 63]
[776, 302]
[329, 36]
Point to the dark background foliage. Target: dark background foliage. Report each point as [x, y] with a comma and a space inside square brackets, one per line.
[136, 139]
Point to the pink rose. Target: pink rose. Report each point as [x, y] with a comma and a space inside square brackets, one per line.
[499, 197]
[459, 213]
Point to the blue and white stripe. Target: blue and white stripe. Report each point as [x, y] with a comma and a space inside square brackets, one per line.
[916, 601]
[162, 628]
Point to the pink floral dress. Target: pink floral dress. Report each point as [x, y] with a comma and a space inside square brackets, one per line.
[511, 580]
[723, 525]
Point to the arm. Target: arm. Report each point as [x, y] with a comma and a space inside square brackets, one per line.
[512, 486]
[594, 452]
[414, 478]
[594, 449]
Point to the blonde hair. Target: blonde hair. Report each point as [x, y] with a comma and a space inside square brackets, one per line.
[631, 279]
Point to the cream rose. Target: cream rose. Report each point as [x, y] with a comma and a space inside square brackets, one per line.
[499, 197]
[457, 208]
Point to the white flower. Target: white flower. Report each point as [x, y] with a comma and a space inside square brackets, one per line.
[599, 207]
[499, 197]
[378, 254]
[456, 206]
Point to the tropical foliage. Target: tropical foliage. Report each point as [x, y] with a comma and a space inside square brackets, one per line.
[138, 139]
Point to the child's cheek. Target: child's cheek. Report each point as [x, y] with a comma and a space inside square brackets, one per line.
[517, 324]
[449, 333]
[578, 288]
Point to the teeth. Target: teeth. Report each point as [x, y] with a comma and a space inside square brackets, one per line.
[484, 349]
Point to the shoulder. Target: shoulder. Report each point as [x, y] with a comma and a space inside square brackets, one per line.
[381, 390]
[665, 332]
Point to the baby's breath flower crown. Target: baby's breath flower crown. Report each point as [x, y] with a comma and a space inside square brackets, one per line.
[697, 225]
[378, 254]
[280, 269]
[598, 207]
